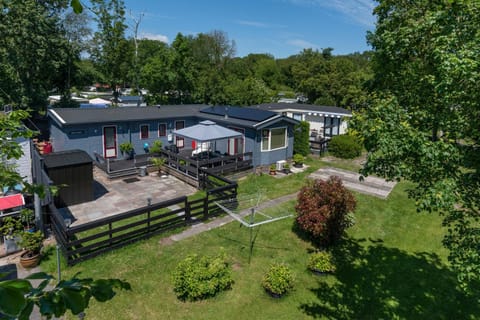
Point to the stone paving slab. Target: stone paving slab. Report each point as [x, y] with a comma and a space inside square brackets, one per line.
[117, 196]
[374, 186]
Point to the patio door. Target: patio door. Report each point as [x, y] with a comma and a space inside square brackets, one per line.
[110, 142]
[236, 145]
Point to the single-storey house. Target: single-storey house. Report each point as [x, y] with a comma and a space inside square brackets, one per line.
[268, 135]
[325, 121]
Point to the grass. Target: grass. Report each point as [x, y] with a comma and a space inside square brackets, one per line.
[391, 265]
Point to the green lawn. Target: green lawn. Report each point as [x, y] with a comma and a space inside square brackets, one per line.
[391, 265]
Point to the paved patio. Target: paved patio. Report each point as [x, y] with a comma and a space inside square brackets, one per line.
[119, 195]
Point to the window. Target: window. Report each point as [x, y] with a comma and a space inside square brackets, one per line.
[179, 142]
[162, 130]
[297, 116]
[273, 139]
[144, 131]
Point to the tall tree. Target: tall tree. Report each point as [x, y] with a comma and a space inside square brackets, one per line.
[109, 43]
[423, 125]
[33, 51]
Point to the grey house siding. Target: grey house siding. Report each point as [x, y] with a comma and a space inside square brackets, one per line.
[269, 157]
[89, 137]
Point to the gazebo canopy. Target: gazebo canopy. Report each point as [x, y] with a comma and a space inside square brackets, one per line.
[99, 101]
[207, 131]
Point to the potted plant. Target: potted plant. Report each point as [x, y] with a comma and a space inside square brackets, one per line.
[321, 262]
[278, 280]
[11, 229]
[32, 243]
[27, 216]
[273, 169]
[298, 160]
[126, 148]
[158, 162]
[286, 168]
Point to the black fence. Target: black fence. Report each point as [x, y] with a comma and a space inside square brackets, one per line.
[82, 242]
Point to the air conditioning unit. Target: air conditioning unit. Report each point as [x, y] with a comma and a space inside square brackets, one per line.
[280, 164]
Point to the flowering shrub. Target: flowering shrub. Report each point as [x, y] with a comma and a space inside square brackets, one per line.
[278, 280]
[322, 210]
[321, 261]
[202, 277]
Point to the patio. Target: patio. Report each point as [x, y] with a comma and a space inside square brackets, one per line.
[113, 196]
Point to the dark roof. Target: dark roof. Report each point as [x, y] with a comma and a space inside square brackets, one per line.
[70, 116]
[239, 116]
[278, 107]
[240, 113]
[66, 158]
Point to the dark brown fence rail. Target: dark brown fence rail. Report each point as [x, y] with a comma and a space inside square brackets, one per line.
[88, 240]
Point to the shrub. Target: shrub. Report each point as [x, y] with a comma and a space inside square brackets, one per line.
[345, 147]
[321, 261]
[322, 210]
[126, 147]
[278, 280]
[156, 146]
[298, 158]
[301, 144]
[201, 277]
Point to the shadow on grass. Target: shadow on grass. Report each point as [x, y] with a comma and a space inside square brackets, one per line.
[377, 282]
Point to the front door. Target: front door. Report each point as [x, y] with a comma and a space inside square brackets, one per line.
[110, 142]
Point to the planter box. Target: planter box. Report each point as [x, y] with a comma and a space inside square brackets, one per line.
[11, 244]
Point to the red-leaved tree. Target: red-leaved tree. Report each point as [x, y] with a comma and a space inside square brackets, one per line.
[322, 210]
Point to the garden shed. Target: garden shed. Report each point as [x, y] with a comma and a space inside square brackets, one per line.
[72, 171]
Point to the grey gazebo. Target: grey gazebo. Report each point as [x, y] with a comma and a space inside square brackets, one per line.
[204, 132]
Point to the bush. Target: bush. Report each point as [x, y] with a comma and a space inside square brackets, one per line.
[301, 144]
[278, 280]
[156, 146]
[201, 277]
[321, 261]
[322, 210]
[345, 147]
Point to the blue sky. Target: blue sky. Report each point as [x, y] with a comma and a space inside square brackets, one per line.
[279, 27]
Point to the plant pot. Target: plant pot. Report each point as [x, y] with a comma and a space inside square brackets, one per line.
[286, 171]
[273, 172]
[11, 244]
[31, 229]
[274, 295]
[298, 165]
[319, 273]
[29, 259]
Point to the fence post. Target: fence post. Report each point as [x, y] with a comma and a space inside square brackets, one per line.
[110, 232]
[205, 207]
[188, 215]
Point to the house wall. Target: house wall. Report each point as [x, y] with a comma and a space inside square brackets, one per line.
[23, 165]
[89, 138]
[269, 157]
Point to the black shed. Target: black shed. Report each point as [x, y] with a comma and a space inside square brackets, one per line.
[72, 171]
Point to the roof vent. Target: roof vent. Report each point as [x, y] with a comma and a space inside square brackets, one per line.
[226, 113]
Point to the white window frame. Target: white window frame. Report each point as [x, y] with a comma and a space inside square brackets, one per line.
[270, 139]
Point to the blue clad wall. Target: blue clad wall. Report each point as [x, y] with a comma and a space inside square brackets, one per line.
[89, 137]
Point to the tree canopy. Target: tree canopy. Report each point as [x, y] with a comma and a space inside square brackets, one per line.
[422, 123]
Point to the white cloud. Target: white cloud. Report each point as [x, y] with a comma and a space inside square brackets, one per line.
[302, 44]
[152, 36]
[359, 11]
